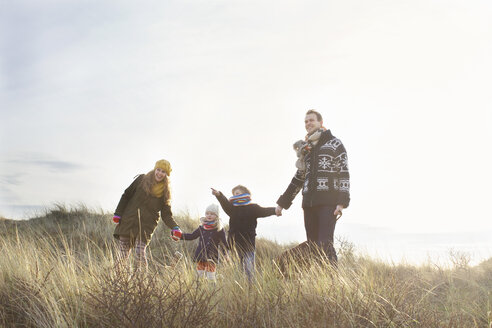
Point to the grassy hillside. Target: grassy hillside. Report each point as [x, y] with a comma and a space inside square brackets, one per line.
[57, 270]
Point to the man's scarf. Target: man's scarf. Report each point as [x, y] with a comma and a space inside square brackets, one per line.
[240, 200]
[303, 147]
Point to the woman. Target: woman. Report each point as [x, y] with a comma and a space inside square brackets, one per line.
[137, 212]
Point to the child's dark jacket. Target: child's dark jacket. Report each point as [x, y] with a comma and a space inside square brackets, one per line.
[243, 222]
[208, 243]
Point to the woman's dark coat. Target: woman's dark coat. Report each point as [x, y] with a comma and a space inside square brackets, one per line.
[139, 213]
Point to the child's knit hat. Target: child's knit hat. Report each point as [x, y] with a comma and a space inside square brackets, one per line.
[213, 208]
[214, 224]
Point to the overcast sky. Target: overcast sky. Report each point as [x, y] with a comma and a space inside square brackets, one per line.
[94, 92]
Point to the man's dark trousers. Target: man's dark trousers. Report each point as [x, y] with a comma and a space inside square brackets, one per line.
[320, 222]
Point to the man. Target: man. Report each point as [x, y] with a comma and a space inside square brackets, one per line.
[323, 177]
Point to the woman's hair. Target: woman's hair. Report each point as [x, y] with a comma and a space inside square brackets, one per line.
[149, 181]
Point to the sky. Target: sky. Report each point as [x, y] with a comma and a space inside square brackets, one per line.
[92, 93]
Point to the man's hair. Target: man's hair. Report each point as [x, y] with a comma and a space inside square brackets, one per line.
[242, 188]
[318, 115]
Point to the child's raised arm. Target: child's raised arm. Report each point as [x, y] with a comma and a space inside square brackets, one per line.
[224, 202]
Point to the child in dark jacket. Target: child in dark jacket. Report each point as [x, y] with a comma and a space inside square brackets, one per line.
[242, 224]
[211, 236]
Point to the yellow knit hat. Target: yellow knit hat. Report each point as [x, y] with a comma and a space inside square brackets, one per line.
[163, 165]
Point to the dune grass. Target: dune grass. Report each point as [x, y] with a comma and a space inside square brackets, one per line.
[58, 270]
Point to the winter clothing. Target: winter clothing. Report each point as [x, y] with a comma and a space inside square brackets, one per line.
[139, 213]
[213, 208]
[210, 224]
[125, 245]
[207, 266]
[326, 179]
[302, 147]
[248, 264]
[241, 200]
[163, 165]
[325, 183]
[320, 224]
[208, 243]
[243, 222]
[158, 189]
[176, 233]
[206, 269]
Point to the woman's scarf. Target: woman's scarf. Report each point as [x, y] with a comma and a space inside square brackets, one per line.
[240, 200]
[158, 189]
[303, 147]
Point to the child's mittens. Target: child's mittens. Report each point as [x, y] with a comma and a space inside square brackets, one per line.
[176, 233]
[116, 218]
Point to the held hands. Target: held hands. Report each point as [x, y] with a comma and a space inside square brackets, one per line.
[278, 210]
[215, 192]
[176, 233]
[116, 218]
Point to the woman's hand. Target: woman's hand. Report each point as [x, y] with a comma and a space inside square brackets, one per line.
[176, 233]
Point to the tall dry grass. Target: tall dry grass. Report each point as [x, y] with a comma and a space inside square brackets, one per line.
[58, 270]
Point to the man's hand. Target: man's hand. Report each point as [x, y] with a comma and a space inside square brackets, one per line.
[338, 210]
[215, 192]
[278, 210]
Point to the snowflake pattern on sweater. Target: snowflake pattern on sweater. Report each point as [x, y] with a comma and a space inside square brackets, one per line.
[326, 180]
